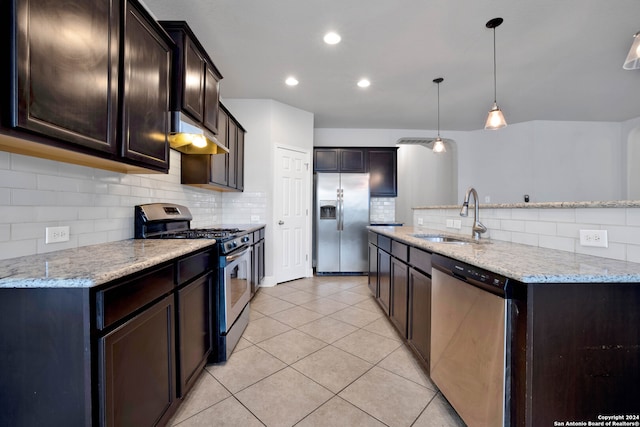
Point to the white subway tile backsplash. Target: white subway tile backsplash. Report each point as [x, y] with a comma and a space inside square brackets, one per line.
[557, 215]
[30, 230]
[96, 204]
[555, 242]
[21, 197]
[615, 251]
[16, 214]
[513, 225]
[5, 232]
[34, 165]
[539, 227]
[525, 238]
[601, 216]
[15, 179]
[4, 160]
[553, 228]
[16, 248]
[633, 216]
[633, 253]
[59, 183]
[526, 214]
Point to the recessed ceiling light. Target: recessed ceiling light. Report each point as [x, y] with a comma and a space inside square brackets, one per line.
[364, 83]
[332, 38]
[291, 81]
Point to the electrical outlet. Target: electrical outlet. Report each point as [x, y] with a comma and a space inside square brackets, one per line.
[56, 234]
[420, 221]
[255, 218]
[449, 223]
[594, 238]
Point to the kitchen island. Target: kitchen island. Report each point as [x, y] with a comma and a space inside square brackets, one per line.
[572, 334]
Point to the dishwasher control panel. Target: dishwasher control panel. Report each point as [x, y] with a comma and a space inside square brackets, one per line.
[475, 275]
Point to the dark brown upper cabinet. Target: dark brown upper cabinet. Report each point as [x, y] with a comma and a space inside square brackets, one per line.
[90, 84]
[196, 79]
[383, 172]
[67, 58]
[339, 160]
[146, 65]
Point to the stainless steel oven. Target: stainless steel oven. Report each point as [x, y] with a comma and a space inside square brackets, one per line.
[235, 293]
[232, 290]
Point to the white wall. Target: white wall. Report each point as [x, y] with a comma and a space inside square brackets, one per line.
[549, 161]
[631, 141]
[268, 124]
[96, 204]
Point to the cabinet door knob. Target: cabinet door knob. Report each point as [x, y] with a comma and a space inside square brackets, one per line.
[280, 222]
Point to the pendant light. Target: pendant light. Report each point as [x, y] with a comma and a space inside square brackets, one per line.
[438, 143]
[633, 58]
[495, 120]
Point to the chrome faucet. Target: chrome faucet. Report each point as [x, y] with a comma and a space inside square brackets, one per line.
[478, 228]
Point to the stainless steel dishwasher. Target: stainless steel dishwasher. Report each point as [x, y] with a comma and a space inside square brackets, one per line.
[468, 351]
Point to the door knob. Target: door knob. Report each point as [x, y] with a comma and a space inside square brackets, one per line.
[280, 222]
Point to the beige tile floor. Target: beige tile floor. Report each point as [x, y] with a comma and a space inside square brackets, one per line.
[317, 352]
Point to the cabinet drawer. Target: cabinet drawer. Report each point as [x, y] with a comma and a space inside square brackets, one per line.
[193, 266]
[373, 238]
[119, 301]
[400, 251]
[384, 243]
[420, 259]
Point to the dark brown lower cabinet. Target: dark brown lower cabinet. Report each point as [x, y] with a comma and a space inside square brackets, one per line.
[119, 354]
[399, 295]
[137, 368]
[372, 280]
[384, 280]
[194, 327]
[419, 333]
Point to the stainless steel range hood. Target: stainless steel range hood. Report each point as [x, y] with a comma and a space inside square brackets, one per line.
[188, 137]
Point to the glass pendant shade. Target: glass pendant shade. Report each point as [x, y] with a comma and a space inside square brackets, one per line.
[438, 146]
[495, 120]
[633, 58]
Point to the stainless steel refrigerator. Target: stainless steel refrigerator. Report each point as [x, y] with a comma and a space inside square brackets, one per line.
[341, 218]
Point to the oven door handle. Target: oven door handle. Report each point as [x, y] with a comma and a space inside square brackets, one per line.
[233, 257]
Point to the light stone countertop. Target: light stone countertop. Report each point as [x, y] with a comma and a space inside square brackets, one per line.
[94, 265]
[527, 264]
[546, 205]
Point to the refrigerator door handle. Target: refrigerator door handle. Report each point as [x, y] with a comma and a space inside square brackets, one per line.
[340, 209]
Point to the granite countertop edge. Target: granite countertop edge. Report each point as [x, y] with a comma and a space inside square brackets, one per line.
[545, 205]
[527, 264]
[95, 265]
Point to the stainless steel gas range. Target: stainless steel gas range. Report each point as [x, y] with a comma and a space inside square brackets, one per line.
[232, 286]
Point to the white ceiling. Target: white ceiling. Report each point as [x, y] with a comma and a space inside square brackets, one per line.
[556, 59]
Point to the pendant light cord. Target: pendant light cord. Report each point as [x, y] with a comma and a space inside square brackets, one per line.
[495, 96]
[438, 110]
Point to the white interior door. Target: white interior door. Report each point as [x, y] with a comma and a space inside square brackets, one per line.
[291, 214]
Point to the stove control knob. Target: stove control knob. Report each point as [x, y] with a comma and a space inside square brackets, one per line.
[245, 239]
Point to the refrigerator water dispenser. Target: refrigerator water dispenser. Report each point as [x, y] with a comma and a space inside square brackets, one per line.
[328, 209]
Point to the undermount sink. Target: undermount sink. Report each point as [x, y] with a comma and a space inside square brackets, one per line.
[440, 238]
